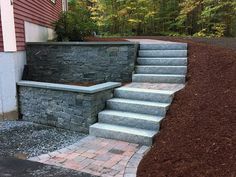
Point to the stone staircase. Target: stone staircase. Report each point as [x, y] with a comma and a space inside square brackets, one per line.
[165, 63]
[135, 112]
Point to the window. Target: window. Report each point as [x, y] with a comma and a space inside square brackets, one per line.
[53, 1]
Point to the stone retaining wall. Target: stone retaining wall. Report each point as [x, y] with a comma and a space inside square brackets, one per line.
[70, 62]
[64, 106]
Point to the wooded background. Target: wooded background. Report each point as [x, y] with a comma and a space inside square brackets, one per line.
[202, 18]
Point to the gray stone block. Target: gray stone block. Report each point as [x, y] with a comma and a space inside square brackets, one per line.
[163, 53]
[161, 69]
[159, 78]
[128, 134]
[164, 46]
[128, 119]
[162, 96]
[163, 61]
[136, 106]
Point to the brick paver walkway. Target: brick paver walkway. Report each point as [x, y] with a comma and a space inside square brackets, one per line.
[98, 156]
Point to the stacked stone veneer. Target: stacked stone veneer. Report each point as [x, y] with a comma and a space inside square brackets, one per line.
[70, 109]
[70, 62]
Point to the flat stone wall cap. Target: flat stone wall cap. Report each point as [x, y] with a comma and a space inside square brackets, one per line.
[81, 43]
[70, 88]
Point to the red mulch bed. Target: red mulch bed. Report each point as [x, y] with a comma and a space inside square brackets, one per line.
[198, 136]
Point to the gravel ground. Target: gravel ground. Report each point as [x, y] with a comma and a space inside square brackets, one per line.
[24, 139]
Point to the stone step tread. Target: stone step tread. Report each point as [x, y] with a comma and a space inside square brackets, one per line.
[162, 61]
[131, 115]
[156, 50]
[160, 75]
[162, 66]
[163, 58]
[156, 86]
[159, 78]
[163, 53]
[123, 129]
[139, 102]
[133, 89]
[150, 69]
[163, 46]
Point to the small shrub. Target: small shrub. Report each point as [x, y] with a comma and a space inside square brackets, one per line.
[74, 25]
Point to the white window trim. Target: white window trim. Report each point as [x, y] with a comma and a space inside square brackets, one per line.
[64, 5]
[8, 25]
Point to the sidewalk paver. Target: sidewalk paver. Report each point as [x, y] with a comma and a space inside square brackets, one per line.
[98, 156]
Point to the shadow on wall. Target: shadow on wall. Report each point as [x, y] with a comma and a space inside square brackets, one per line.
[96, 62]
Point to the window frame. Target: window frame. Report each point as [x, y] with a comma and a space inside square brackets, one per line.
[53, 1]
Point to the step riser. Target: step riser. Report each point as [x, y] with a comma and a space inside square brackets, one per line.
[159, 79]
[163, 53]
[128, 122]
[136, 108]
[163, 62]
[153, 97]
[121, 136]
[163, 46]
[161, 70]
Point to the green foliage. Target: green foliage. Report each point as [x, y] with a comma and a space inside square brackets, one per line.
[202, 18]
[123, 16]
[212, 18]
[74, 24]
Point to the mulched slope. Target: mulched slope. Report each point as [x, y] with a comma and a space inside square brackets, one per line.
[198, 136]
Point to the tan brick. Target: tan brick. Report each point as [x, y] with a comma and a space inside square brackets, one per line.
[88, 155]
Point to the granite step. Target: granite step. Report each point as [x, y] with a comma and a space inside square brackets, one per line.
[159, 78]
[137, 106]
[163, 53]
[162, 61]
[134, 120]
[132, 135]
[164, 46]
[144, 69]
[163, 96]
